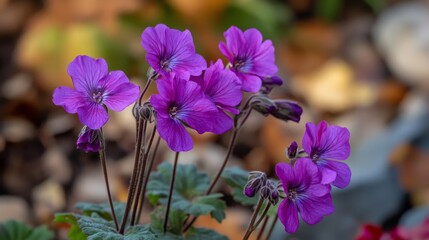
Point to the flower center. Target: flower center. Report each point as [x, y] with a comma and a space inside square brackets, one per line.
[242, 64]
[173, 112]
[165, 64]
[315, 156]
[97, 97]
[292, 194]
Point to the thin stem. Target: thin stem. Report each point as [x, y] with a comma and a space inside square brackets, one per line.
[252, 228]
[141, 175]
[219, 173]
[146, 179]
[102, 154]
[132, 186]
[237, 126]
[146, 87]
[225, 161]
[245, 118]
[273, 224]
[267, 207]
[170, 194]
[264, 224]
[246, 104]
[253, 219]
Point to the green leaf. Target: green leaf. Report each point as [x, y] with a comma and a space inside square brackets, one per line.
[175, 220]
[189, 185]
[12, 230]
[75, 232]
[203, 233]
[94, 227]
[102, 209]
[189, 182]
[201, 205]
[139, 232]
[236, 178]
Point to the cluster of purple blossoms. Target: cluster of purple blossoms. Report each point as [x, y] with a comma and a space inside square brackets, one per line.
[171, 54]
[190, 94]
[307, 181]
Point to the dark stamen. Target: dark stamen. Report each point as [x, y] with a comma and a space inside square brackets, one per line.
[172, 112]
[97, 97]
[292, 194]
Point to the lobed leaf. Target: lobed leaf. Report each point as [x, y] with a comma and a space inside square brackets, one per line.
[189, 185]
[12, 230]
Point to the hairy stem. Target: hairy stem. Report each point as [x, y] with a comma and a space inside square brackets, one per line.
[102, 154]
[273, 224]
[252, 225]
[264, 213]
[141, 174]
[237, 125]
[146, 87]
[132, 185]
[146, 178]
[264, 224]
[170, 194]
[225, 160]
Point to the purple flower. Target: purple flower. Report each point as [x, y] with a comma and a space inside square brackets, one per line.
[172, 52]
[89, 140]
[325, 145]
[222, 87]
[251, 58]
[304, 194]
[95, 88]
[181, 103]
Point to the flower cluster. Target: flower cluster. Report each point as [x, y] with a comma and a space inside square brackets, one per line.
[208, 98]
[191, 95]
[306, 182]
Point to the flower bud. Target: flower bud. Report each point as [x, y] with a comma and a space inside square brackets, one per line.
[263, 104]
[144, 112]
[292, 151]
[89, 140]
[268, 83]
[283, 109]
[287, 110]
[255, 181]
[269, 191]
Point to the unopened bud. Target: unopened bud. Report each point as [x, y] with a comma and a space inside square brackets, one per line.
[287, 110]
[255, 181]
[268, 83]
[89, 140]
[269, 191]
[144, 112]
[263, 104]
[292, 151]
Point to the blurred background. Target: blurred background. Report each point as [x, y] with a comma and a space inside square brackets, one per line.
[363, 64]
